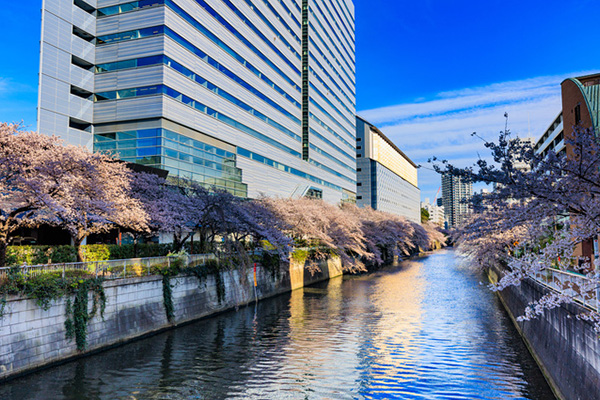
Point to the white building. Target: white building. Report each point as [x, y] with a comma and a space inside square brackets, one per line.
[386, 177]
[254, 96]
[436, 213]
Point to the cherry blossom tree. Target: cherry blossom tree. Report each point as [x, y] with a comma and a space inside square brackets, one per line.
[95, 197]
[383, 232]
[170, 205]
[43, 181]
[30, 179]
[537, 215]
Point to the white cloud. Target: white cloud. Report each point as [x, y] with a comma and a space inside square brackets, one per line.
[441, 126]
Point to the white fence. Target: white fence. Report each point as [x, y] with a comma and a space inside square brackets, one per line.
[582, 289]
[110, 269]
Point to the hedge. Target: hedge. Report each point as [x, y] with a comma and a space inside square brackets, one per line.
[32, 255]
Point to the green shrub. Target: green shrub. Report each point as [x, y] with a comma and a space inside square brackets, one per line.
[96, 252]
[300, 255]
[33, 255]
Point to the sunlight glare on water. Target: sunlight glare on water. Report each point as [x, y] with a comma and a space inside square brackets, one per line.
[424, 328]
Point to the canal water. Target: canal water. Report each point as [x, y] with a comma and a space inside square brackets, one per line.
[422, 329]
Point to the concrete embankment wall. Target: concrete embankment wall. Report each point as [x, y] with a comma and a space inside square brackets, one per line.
[567, 349]
[31, 338]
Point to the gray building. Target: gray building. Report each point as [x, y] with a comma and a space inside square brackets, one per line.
[553, 138]
[254, 96]
[386, 177]
[455, 194]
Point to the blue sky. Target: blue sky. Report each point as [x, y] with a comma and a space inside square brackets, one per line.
[429, 72]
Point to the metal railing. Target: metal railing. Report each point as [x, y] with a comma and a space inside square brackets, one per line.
[109, 269]
[579, 287]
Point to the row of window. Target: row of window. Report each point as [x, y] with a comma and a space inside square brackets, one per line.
[160, 30]
[266, 21]
[332, 42]
[208, 85]
[152, 60]
[282, 167]
[222, 93]
[337, 161]
[130, 35]
[287, 10]
[352, 91]
[349, 13]
[329, 142]
[331, 170]
[350, 24]
[328, 129]
[346, 131]
[329, 76]
[165, 60]
[335, 31]
[313, 87]
[276, 14]
[163, 89]
[240, 36]
[348, 31]
[181, 155]
[127, 7]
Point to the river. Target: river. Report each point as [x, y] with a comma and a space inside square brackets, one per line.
[423, 329]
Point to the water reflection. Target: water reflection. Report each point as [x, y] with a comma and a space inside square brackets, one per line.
[424, 329]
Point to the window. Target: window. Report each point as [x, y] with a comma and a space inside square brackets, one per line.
[79, 92]
[314, 193]
[80, 125]
[358, 197]
[88, 37]
[358, 184]
[577, 114]
[84, 6]
[81, 63]
[358, 169]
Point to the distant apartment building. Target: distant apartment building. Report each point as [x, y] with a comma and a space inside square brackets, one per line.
[456, 192]
[252, 96]
[552, 139]
[436, 213]
[386, 177]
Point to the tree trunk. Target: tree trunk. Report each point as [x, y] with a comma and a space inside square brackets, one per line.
[77, 241]
[176, 243]
[3, 247]
[135, 245]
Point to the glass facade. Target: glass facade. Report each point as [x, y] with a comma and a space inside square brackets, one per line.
[182, 156]
[270, 81]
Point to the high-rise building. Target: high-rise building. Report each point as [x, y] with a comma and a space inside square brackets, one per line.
[456, 192]
[386, 177]
[254, 96]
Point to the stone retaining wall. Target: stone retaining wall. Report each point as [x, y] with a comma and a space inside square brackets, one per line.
[567, 349]
[31, 338]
